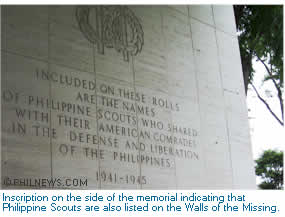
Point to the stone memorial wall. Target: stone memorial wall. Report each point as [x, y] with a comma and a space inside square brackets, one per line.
[126, 97]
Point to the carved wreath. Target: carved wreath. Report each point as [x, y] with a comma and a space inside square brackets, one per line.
[116, 27]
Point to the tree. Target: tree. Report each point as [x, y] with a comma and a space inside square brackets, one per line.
[270, 168]
[260, 30]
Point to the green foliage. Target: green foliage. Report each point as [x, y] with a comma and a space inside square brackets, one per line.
[270, 168]
[261, 36]
[260, 29]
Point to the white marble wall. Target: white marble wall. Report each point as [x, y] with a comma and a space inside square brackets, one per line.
[189, 59]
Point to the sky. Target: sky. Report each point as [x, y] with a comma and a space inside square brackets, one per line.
[266, 132]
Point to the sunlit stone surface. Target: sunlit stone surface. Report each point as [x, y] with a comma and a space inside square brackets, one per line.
[125, 97]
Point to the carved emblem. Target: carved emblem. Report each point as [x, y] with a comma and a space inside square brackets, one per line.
[115, 27]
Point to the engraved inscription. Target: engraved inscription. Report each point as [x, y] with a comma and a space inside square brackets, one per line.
[115, 111]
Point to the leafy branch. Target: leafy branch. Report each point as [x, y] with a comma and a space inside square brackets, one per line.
[267, 105]
[278, 88]
[260, 30]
